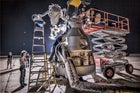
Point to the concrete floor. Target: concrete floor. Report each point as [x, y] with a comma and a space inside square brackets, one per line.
[9, 78]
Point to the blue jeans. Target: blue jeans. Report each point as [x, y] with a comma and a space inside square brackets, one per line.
[22, 75]
[53, 55]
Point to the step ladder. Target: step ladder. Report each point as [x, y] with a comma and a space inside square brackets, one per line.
[41, 71]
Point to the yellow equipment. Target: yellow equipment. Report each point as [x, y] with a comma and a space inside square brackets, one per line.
[75, 3]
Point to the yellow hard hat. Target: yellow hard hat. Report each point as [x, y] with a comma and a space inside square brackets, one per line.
[75, 3]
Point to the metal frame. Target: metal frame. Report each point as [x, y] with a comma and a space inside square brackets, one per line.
[118, 23]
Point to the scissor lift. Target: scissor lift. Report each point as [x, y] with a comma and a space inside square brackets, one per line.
[107, 32]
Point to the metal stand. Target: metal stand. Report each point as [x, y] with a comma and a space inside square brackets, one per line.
[40, 72]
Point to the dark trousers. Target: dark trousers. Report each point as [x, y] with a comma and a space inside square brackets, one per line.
[22, 75]
[53, 55]
[9, 62]
[28, 62]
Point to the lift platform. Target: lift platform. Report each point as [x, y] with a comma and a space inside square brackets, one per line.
[107, 32]
[95, 20]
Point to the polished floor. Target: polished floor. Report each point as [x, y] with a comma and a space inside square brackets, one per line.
[9, 78]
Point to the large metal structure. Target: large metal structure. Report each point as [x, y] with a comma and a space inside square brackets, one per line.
[75, 56]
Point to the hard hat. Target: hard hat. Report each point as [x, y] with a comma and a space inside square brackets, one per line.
[23, 51]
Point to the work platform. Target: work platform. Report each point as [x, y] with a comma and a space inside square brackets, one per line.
[95, 20]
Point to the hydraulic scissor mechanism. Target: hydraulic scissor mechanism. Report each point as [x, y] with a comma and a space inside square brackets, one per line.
[110, 47]
[111, 44]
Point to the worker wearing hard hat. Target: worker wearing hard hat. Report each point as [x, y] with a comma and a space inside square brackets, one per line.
[23, 68]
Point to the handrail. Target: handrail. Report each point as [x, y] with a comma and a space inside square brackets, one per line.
[109, 20]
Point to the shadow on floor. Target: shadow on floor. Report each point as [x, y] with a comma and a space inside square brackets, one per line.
[131, 77]
[136, 69]
[17, 89]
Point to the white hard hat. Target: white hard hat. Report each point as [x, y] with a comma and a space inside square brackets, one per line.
[23, 51]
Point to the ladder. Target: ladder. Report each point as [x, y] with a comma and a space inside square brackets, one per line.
[40, 71]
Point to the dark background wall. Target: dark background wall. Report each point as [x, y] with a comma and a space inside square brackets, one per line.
[17, 27]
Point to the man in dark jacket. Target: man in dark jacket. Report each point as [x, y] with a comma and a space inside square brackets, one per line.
[58, 40]
[9, 61]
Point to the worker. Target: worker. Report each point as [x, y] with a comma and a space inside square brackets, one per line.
[9, 61]
[58, 40]
[98, 19]
[23, 68]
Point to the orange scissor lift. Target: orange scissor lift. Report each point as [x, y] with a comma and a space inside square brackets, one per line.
[107, 32]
